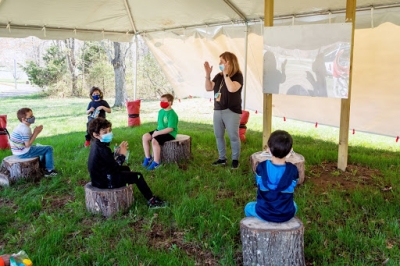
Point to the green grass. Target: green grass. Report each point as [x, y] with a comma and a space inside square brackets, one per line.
[49, 221]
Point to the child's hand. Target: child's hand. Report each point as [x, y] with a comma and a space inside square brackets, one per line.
[38, 129]
[123, 147]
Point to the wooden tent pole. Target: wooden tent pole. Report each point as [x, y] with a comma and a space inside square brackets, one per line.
[267, 98]
[345, 103]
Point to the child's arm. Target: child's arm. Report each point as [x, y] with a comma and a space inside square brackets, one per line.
[162, 132]
[89, 111]
[108, 110]
[36, 132]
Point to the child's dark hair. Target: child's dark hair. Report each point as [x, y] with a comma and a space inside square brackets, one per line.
[21, 113]
[169, 97]
[280, 143]
[93, 89]
[97, 124]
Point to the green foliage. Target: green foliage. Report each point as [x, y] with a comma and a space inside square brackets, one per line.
[92, 53]
[53, 70]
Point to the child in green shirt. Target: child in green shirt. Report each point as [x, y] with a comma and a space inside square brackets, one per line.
[167, 129]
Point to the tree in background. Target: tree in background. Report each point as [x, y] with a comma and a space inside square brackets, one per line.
[118, 63]
[95, 68]
[53, 70]
[72, 65]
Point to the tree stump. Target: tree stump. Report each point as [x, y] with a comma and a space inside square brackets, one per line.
[13, 168]
[294, 158]
[267, 243]
[107, 202]
[177, 149]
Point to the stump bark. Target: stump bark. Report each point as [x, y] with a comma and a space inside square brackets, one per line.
[13, 168]
[177, 149]
[108, 202]
[267, 243]
[294, 158]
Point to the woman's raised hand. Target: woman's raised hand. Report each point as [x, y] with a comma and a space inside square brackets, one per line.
[207, 68]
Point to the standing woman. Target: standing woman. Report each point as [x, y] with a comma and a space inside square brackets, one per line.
[227, 87]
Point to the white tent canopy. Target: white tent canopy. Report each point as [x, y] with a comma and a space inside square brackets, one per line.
[119, 20]
[184, 33]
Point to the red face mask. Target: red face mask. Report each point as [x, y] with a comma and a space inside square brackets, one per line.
[164, 105]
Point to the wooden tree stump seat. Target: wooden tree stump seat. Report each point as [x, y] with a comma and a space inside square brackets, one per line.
[108, 202]
[267, 243]
[13, 168]
[294, 158]
[177, 149]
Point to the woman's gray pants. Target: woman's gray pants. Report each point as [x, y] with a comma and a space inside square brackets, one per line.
[229, 120]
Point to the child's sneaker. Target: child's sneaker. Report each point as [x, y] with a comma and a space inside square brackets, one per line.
[147, 161]
[156, 203]
[87, 143]
[153, 166]
[48, 173]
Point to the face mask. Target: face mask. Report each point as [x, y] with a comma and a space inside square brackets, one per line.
[164, 105]
[31, 120]
[96, 97]
[221, 67]
[107, 137]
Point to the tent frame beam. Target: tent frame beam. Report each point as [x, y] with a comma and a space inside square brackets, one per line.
[343, 151]
[128, 10]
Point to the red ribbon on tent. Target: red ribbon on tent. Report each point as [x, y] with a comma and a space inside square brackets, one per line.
[397, 139]
[316, 124]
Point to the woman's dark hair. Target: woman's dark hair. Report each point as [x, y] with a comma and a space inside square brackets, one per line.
[93, 89]
[97, 124]
[280, 143]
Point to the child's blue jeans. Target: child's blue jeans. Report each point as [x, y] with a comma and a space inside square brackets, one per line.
[250, 209]
[44, 152]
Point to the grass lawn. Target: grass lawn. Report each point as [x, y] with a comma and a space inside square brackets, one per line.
[350, 218]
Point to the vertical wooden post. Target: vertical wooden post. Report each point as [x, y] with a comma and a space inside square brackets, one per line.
[267, 98]
[345, 103]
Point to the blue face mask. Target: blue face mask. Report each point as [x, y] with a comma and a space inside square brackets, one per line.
[221, 67]
[107, 137]
[96, 97]
[31, 120]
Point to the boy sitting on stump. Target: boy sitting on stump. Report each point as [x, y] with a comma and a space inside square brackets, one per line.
[276, 180]
[106, 170]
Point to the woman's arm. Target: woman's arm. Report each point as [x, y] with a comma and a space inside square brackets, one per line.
[232, 86]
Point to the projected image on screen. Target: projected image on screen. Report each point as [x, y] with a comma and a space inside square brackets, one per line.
[319, 67]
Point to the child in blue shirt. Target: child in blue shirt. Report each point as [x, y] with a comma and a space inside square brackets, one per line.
[276, 180]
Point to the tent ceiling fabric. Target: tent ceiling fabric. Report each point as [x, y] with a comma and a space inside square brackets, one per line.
[119, 20]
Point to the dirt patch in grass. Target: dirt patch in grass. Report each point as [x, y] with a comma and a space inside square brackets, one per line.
[159, 238]
[327, 176]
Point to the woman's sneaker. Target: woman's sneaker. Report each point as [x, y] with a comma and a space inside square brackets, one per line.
[155, 203]
[219, 162]
[50, 173]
